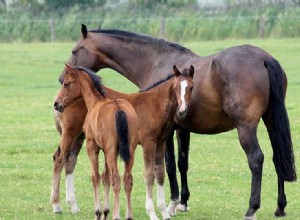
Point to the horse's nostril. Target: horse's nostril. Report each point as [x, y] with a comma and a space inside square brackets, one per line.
[55, 104]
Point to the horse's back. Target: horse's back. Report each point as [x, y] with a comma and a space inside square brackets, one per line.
[230, 87]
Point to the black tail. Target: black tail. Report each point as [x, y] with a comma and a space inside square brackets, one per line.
[122, 132]
[279, 132]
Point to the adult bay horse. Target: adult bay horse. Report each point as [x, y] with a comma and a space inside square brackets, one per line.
[110, 125]
[233, 89]
[174, 95]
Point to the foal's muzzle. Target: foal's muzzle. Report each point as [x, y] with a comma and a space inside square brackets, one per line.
[58, 107]
[181, 112]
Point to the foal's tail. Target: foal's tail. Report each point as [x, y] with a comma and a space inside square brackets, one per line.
[277, 123]
[122, 132]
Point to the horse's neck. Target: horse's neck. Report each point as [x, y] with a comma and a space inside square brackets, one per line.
[147, 63]
[89, 93]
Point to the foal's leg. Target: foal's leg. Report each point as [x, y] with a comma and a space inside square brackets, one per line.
[115, 179]
[171, 170]
[128, 182]
[59, 160]
[160, 178]
[106, 186]
[149, 149]
[248, 140]
[183, 138]
[70, 166]
[93, 153]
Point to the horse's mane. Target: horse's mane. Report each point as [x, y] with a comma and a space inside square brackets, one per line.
[157, 83]
[125, 35]
[97, 81]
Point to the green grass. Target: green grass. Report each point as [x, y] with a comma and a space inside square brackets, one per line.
[219, 176]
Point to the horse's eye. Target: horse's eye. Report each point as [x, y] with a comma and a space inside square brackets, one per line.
[66, 85]
[74, 52]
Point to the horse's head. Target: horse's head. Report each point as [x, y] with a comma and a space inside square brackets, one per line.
[70, 90]
[183, 87]
[85, 53]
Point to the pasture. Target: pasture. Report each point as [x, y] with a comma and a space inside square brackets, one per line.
[219, 177]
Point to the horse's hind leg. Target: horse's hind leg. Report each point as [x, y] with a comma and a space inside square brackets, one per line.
[106, 186]
[93, 153]
[281, 200]
[249, 142]
[128, 182]
[183, 138]
[114, 179]
[70, 166]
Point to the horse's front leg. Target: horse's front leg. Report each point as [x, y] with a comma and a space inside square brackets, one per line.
[171, 171]
[149, 148]
[160, 178]
[93, 153]
[248, 140]
[183, 139]
[70, 166]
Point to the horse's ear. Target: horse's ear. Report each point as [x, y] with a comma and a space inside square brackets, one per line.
[83, 30]
[99, 27]
[176, 71]
[192, 71]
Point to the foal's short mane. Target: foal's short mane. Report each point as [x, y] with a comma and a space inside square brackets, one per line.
[123, 35]
[157, 83]
[97, 81]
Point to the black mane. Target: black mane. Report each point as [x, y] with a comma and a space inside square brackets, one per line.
[158, 83]
[97, 81]
[123, 35]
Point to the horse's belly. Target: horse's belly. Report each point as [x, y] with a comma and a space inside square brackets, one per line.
[206, 121]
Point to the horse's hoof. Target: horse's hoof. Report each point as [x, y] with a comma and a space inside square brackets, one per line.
[253, 217]
[280, 213]
[75, 210]
[182, 208]
[56, 209]
[171, 209]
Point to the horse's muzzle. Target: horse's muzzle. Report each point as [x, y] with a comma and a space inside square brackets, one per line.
[58, 107]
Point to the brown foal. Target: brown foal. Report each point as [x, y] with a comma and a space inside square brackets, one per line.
[110, 125]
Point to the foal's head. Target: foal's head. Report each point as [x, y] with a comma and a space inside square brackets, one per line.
[71, 86]
[70, 89]
[183, 87]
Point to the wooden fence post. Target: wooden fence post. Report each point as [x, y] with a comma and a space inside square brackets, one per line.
[52, 29]
[162, 28]
[261, 31]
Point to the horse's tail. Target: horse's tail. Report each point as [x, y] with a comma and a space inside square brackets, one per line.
[122, 132]
[277, 122]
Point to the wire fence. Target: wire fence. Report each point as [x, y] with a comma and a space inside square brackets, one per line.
[176, 29]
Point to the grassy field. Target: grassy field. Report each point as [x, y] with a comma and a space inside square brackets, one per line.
[219, 176]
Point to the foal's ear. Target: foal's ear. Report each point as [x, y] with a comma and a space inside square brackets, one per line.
[176, 71]
[83, 30]
[192, 71]
[70, 68]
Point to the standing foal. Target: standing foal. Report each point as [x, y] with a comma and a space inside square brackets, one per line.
[110, 125]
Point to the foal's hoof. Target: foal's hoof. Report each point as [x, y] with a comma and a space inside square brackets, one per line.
[56, 209]
[280, 213]
[253, 217]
